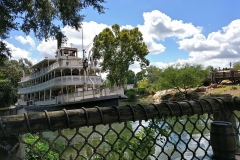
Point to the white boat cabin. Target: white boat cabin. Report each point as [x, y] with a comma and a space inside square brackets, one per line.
[65, 78]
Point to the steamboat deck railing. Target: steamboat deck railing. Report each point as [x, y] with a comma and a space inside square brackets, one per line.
[154, 131]
[71, 97]
[45, 70]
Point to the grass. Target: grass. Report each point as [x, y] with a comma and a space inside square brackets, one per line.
[227, 89]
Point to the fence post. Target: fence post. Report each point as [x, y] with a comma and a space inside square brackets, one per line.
[12, 145]
[226, 114]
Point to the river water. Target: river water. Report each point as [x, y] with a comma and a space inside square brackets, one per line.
[85, 134]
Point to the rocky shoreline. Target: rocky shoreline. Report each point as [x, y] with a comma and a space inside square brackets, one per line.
[193, 93]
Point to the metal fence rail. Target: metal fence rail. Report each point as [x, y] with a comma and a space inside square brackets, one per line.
[174, 130]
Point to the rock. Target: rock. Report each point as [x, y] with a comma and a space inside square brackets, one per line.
[213, 86]
[158, 94]
[226, 81]
[178, 97]
[166, 97]
[201, 89]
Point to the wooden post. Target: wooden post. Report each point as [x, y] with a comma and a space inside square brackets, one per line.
[226, 114]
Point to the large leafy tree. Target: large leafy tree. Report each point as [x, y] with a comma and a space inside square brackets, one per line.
[183, 77]
[11, 71]
[119, 49]
[10, 74]
[42, 17]
[153, 74]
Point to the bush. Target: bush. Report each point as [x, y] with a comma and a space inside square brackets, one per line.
[37, 147]
[141, 91]
[150, 91]
[234, 88]
[131, 94]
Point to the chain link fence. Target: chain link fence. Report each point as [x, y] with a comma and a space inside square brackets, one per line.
[174, 130]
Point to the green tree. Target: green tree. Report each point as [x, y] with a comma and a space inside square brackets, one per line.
[236, 65]
[183, 77]
[210, 69]
[139, 76]
[130, 77]
[7, 93]
[143, 83]
[153, 74]
[12, 71]
[40, 17]
[119, 49]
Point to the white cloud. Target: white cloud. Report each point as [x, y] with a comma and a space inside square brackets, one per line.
[161, 26]
[26, 40]
[47, 48]
[158, 26]
[127, 27]
[90, 30]
[18, 53]
[217, 49]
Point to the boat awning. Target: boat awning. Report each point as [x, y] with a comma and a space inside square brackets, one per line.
[44, 63]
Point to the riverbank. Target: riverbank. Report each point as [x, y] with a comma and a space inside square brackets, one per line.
[233, 90]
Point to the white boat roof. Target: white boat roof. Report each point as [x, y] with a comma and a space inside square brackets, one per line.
[44, 62]
[67, 49]
[49, 61]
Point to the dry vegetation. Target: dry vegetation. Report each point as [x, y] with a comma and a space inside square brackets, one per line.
[233, 90]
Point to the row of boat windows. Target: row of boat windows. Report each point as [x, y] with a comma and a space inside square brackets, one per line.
[52, 75]
[41, 96]
[37, 71]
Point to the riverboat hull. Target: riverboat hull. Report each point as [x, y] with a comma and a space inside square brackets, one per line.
[112, 100]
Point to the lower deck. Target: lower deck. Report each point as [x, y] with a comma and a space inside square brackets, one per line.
[72, 97]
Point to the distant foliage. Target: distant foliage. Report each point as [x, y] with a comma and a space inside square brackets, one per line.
[131, 94]
[141, 91]
[183, 76]
[143, 83]
[236, 65]
[7, 94]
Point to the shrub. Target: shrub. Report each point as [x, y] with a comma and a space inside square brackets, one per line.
[141, 91]
[36, 147]
[131, 94]
[234, 88]
[149, 91]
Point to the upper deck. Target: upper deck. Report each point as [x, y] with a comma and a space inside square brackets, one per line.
[65, 57]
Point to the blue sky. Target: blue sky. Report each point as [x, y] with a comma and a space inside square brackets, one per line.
[195, 31]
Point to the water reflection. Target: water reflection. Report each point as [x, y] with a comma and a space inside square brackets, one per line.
[183, 142]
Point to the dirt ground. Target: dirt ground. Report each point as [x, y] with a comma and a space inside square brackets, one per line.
[233, 90]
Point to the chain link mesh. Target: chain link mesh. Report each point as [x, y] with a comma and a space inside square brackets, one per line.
[168, 137]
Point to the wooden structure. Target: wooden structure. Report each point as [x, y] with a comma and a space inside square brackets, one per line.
[232, 75]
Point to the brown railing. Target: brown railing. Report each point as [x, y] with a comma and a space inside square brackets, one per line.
[174, 130]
